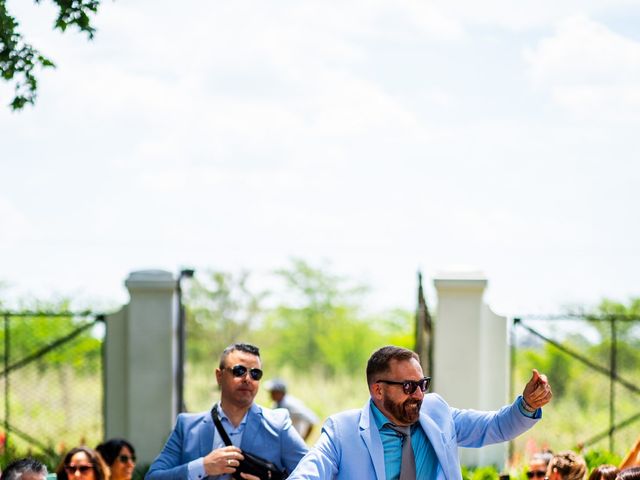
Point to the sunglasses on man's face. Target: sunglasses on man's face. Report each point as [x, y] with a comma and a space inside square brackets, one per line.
[126, 458]
[536, 474]
[241, 371]
[410, 386]
[72, 469]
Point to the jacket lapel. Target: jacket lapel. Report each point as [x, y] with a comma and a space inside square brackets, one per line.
[434, 434]
[251, 430]
[371, 437]
[206, 435]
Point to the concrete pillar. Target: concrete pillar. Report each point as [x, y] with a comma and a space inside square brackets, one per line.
[140, 364]
[471, 355]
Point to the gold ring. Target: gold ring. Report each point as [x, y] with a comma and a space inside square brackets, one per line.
[228, 461]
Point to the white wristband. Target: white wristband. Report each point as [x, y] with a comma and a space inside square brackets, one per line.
[528, 407]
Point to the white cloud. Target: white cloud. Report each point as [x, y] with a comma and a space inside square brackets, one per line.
[524, 15]
[378, 135]
[14, 225]
[588, 69]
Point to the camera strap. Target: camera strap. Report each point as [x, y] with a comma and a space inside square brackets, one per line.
[218, 424]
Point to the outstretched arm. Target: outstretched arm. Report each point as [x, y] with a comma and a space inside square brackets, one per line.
[477, 428]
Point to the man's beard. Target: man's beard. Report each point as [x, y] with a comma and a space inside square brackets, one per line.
[406, 412]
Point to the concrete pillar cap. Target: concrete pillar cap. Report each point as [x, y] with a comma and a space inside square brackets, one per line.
[150, 279]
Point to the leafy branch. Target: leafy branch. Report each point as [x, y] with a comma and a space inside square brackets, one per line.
[19, 59]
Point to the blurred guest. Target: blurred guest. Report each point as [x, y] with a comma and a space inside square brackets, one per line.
[632, 473]
[538, 464]
[604, 472]
[25, 469]
[567, 465]
[120, 456]
[82, 463]
[302, 417]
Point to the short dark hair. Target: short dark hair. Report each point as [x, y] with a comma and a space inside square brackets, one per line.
[604, 472]
[15, 469]
[380, 359]
[243, 347]
[110, 449]
[100, 468]
[631, 473]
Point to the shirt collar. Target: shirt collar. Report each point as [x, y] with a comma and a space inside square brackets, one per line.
[378, 416]
[224, 418]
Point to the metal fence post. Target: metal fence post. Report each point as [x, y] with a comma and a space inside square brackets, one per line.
[612, 384]
[7, 352]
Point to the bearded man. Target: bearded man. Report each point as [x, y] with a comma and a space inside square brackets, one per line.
[403, 434]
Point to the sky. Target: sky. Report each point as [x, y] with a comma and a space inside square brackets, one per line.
[371, 139]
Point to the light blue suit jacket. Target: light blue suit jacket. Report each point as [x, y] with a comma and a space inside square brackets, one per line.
[350, 447]
[267, 434]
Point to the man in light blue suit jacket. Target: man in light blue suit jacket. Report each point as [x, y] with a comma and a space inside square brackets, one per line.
[361, 444]
[195, 449]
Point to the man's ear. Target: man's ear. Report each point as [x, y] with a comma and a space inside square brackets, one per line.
[376, 391]
[218, 375]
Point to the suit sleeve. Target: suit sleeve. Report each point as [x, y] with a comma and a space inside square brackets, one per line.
[321, 462]
[292, 446]
[476, 428]
[167, 465]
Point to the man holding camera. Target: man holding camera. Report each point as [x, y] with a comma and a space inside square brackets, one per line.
[197, 448]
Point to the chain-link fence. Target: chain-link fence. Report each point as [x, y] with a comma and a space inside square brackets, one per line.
[593, 366]
[51, 383]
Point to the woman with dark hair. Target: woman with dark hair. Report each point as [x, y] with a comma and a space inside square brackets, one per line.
[631, 473]
[82, 463]
[604, 472]
[120, 456]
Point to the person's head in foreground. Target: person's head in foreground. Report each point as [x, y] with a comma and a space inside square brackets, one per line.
[24, 469]
[604, 472]
[567, 465]
[631, 473]
[82, 463]
[120, 456]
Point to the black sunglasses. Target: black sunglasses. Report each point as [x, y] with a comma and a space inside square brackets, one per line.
[537, 473]
[71, 469]
[409, 386]
[126, 458]
[241, 371]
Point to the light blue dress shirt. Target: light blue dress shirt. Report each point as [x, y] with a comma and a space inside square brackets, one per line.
[426, 459]
[196, 467]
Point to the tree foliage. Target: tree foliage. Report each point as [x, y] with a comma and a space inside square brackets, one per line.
[315, 323]
[625, 316]
[317, 326]
[30, 334]
[19, 60]
[222, 309]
